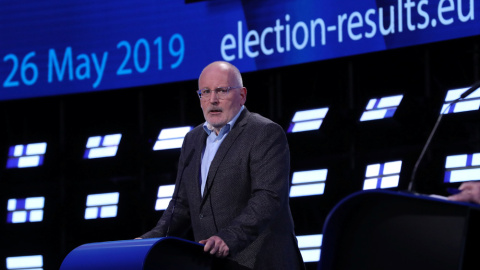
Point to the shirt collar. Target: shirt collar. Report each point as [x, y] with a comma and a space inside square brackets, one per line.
[208, 128]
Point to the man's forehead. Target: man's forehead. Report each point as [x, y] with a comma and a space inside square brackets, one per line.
[215, 80]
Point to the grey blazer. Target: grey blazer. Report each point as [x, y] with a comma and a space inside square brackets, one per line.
[245, 199]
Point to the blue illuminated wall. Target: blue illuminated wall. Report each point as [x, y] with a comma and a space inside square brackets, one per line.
[58, 47]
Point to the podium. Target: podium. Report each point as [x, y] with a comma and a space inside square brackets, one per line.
[394, 230]
[167, 253]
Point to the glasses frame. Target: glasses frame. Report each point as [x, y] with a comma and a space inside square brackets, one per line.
[216, 90]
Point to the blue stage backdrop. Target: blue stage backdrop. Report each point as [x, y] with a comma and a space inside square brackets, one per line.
[62, 47]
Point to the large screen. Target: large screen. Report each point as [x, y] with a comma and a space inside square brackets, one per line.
[62, 47]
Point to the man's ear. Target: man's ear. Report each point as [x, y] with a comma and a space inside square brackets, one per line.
[243, 93]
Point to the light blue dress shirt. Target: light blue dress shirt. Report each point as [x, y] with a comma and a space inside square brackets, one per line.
[213, 143]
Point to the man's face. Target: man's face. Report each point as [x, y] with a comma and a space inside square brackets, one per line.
[218, 112]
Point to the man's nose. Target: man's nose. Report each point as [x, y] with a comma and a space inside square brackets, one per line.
[213, 97]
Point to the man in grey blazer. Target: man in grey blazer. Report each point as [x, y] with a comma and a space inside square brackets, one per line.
[233, 181]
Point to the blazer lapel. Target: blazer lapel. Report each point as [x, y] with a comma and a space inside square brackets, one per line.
[200, 146]
[223, 150]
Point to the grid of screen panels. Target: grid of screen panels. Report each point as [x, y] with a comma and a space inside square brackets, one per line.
[136, 157]
[304, 183]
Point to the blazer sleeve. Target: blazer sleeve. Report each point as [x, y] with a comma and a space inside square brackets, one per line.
[269, 169]
[176, 219]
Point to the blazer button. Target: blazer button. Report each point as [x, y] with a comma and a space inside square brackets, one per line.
[201, 216]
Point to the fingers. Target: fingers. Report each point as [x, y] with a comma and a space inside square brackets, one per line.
[215, 246]
[466, 185]
[463, 196]
[470, 192]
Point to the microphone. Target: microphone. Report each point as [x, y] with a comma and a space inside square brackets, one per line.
[411, 185]
[470, 90]
[185, 165]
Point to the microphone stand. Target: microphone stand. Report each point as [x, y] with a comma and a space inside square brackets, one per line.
[411, 185]
[177, 187]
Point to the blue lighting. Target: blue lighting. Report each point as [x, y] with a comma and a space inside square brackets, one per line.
[171, 138]
[25, 210]
[307, 120]
[28, 155]
[103, 205]
[102, 146]
[310, 247]
[25, 262]
[461, 168]
[164, 196]
[381, 108]
[382, 175]
[470, 103]
[308, 183]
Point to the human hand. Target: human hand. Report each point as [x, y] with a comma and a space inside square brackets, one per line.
[215, 246]
[470, 192]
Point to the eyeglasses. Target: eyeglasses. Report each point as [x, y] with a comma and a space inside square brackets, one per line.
[221, 92]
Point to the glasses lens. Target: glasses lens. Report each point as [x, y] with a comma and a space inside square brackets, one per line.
[220, 92]
[203, 93]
